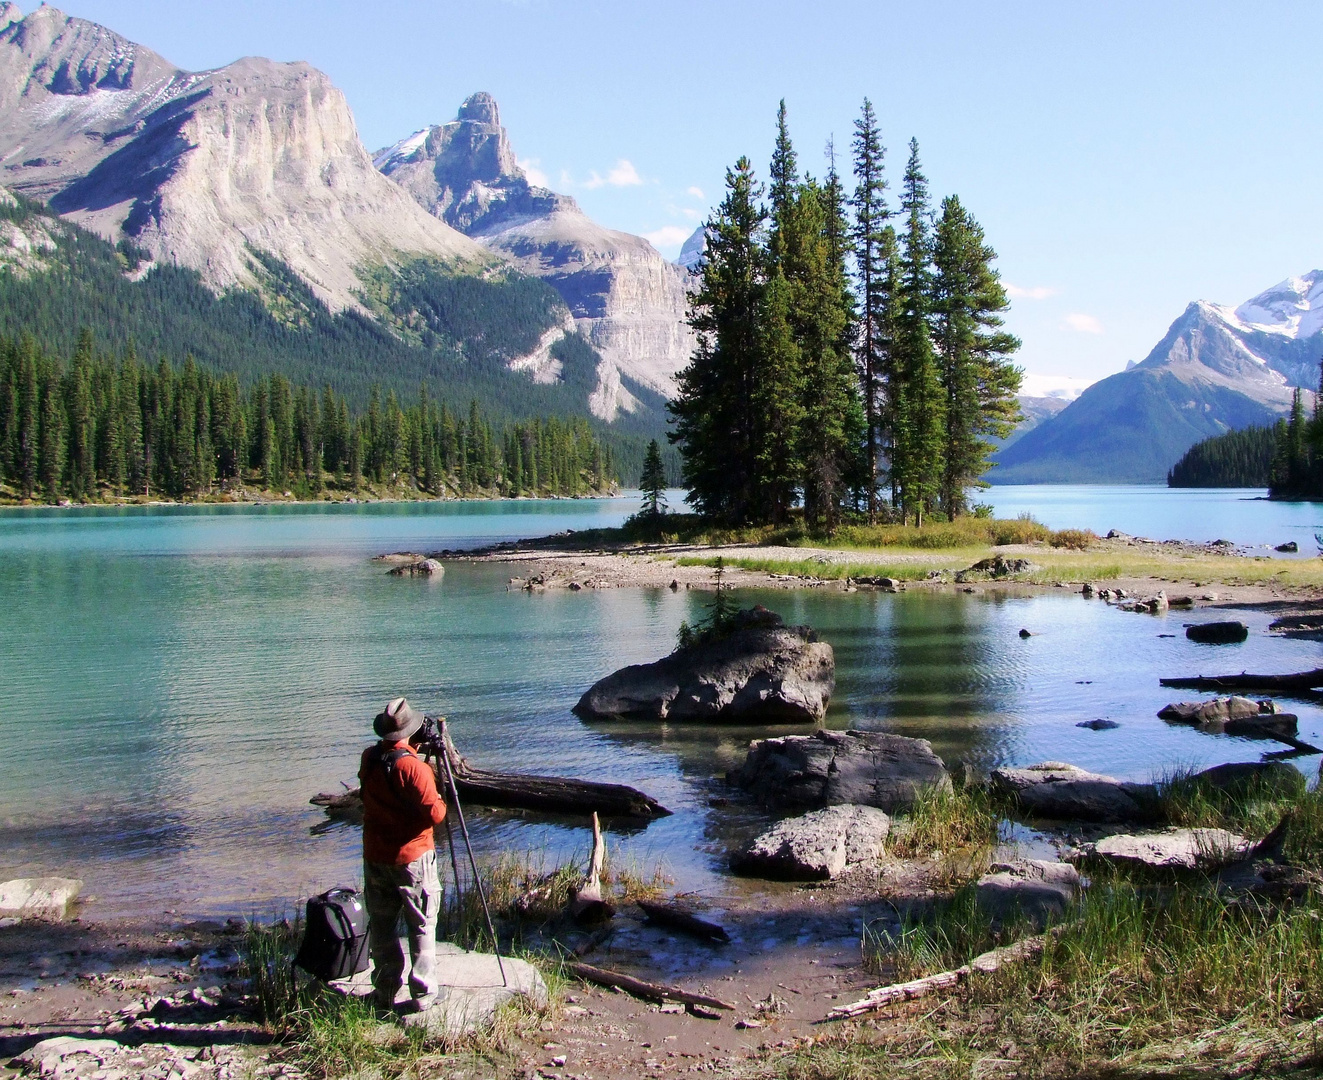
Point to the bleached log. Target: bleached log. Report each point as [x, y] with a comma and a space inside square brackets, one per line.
[639, 988]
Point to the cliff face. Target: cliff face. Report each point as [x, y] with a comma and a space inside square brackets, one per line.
[202, 168]
[625, 297]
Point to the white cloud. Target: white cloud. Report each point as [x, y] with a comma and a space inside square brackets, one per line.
[692, 215]
[1037, 292]
[668, 236]
[535, 175]
[696, 192]
[1084, 324]
[622, 174]
[1066, 387]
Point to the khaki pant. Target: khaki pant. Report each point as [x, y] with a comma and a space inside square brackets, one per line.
[410, 893]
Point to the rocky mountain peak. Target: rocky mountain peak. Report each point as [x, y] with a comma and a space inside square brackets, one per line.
[9, 14]
[480, 108]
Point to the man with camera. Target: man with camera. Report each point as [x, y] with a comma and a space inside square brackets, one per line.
[401, 807]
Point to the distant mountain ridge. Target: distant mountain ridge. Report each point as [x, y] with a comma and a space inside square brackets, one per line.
[1217, 369]
[625, 298]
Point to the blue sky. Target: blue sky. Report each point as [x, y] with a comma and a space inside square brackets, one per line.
[1124, 158]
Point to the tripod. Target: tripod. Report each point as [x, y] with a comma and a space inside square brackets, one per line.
[437, 748]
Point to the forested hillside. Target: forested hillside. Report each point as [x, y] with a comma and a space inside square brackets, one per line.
[456, 334]
[1236, 459]
[100, 427]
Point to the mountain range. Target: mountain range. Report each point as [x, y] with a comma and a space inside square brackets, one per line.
[253, 174]
[1217, 369]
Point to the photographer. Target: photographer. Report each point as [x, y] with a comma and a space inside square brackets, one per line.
[401, 807]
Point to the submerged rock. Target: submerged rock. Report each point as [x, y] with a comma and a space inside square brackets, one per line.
[833, 768]
[1218, 633]
[1062, 792]
[762, 671]
[1233, 716]
[421, 568]
[1028, 888]
[816, 846]
[1171, 849]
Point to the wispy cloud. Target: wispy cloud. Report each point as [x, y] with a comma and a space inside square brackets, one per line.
[696, 192]
[668, 236]
[1084, 324]
[535, 175]
[622, 174]
[1037, 292]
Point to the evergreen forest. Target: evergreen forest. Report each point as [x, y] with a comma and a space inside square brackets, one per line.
[1236, 459]
[436, 327]
[101, 426]
[852, 359]
[1297, 463]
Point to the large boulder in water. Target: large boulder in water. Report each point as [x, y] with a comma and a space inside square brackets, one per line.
[762, 671]
[834, 768]
[1062, 792]
[818, 846]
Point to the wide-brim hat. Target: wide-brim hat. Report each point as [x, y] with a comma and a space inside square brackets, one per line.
[397, 721]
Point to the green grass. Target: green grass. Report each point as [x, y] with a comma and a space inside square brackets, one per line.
[1139, 981]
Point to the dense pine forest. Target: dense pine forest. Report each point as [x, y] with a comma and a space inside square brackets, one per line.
[450, 332]
[101, 427]
[851, 357]
[1297, 464]
[1237, 459]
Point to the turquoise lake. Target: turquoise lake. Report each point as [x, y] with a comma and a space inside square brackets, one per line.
[179, 681]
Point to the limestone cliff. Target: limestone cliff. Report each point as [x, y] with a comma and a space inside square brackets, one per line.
[201, 168]
[625, 297]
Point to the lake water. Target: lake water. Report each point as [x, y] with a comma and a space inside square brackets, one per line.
[179, 681]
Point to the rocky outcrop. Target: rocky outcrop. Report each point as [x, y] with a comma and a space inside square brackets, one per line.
[1062, 792]
[1271, 779]
[995, 569]
[820, 845]
[421, 568]
[1171, 849]
[1029, 889]
[626, 299]
[204, 169]
[831, 768]
[763, 671]
[1233, 716]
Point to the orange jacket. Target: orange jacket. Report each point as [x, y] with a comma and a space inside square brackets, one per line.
[400, 810]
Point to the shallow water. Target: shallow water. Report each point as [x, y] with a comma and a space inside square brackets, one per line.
[179, 682]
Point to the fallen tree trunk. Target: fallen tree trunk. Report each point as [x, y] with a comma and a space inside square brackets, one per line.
[550, 794]
[639, 988]
[1301, 680]
[678, 919]
[984, 964]
[518, 791]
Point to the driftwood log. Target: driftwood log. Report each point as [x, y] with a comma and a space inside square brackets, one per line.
[1300, 680]
[677, 918]
[519, 791]
[984, 964]
[588, 906]
[650, 991]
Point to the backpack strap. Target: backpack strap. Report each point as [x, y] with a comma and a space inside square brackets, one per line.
[388, 760]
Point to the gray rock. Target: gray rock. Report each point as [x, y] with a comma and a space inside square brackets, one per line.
[47, 1055]
[470, 990]
[1062, 792]
[764, 671]
[1274, 778]
[1098, 725]
[421, 568]
[1028, 888]
[1218, 633]
[47, 897]
[833, 768]
[996, 568]
[1170, 849]
[1289, 546]
[1233, 716]
[817, 846]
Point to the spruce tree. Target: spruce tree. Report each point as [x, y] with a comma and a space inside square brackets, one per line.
[920, 420]
[653, 481]
[870, 221]
[713, 411]
[979, 381]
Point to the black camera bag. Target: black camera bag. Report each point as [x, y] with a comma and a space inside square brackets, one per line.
[335, 939]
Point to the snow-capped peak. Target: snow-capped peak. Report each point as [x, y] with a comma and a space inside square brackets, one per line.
[402, 150]
[1293, 307]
